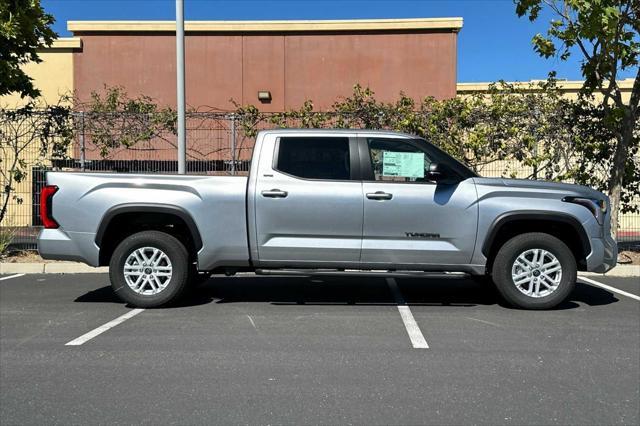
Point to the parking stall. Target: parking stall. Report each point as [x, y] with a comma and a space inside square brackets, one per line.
[250, 349]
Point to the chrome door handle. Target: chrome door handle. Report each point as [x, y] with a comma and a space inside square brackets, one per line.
[274, 193]
[379, 195]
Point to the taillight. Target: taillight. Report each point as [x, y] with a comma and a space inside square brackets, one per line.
[46, 201]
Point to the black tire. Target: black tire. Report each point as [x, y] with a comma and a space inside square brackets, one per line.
[509, 252]
[174, 250]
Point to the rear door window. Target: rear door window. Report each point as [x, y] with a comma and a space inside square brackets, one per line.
[314, 157]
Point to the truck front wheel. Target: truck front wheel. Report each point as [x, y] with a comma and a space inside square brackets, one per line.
[534, 271]
[149, 269]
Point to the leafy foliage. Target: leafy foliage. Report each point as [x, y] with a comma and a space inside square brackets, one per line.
[7, 234]
[44, 132]
[24, 28]
[511, 126]
[606, 34]
[509, 123]
[114, 120]
[594, 136]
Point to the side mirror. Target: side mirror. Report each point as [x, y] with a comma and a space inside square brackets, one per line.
[435, 172]
[439, 172]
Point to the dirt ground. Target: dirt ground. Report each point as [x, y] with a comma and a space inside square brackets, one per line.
[26, 256]
[628, 257]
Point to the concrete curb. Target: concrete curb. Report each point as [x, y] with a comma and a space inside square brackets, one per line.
[81, 268]
[50, 268]
[618, 271]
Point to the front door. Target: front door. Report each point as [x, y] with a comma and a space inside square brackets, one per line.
[308, 202]
[410, 221]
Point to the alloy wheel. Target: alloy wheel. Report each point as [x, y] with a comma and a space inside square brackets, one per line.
[536, 272]
[147, 270]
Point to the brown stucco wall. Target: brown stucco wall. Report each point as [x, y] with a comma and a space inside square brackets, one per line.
[320, 66]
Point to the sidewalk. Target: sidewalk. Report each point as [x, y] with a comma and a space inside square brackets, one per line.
[50, 268]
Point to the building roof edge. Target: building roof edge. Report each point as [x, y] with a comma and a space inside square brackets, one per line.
[450, 24]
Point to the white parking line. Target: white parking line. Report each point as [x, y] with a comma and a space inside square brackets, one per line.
[11, 276]
[96, 332]
[415, 334]
[608, 287]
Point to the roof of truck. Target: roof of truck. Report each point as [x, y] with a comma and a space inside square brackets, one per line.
[342, 131]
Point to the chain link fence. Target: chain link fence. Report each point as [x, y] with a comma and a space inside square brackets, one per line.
[214, 148]
[217, 144]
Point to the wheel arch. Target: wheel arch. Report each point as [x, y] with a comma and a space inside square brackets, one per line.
[110, 231]
[562, 225]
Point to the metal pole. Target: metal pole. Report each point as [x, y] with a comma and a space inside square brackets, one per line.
[233, 144]
[182, 142]
[82, 145]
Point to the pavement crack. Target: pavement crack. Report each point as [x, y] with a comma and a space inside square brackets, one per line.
[484, 322]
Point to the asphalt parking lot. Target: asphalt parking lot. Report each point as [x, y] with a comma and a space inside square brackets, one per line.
[274, 350]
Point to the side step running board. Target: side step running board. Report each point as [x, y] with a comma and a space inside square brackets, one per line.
[359, 273]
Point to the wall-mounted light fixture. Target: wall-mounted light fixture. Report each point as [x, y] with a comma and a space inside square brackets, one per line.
[264, 96]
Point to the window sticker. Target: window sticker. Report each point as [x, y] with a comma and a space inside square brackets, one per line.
[405, 164]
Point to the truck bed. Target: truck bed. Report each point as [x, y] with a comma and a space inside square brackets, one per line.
[217, 204]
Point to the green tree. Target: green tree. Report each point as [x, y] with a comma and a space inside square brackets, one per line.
[24, 28]
[605, 33]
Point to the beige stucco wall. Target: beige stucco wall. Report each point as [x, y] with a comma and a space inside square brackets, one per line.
[54, 77]
[569, 89]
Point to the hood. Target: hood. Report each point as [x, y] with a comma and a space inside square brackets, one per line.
[565, 189]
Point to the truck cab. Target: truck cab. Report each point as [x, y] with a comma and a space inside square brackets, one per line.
[359, 200]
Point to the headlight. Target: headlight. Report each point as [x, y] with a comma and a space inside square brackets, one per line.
[597, 207]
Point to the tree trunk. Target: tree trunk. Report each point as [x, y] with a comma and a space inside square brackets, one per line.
[617, 173]
[5, 203]
[8, 186]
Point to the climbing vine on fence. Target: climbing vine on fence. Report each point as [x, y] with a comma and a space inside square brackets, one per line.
[117, 121]
[30, 136]
[507, 123]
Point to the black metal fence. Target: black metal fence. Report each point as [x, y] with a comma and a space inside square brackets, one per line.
[217, 144]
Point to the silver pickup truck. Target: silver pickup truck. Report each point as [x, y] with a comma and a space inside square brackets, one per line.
[343, 202]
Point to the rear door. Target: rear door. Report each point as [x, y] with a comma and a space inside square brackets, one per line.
[410, 221]
[308, 202]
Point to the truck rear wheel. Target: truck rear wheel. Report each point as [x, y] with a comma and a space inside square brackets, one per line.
[534, 271]
[149, 269]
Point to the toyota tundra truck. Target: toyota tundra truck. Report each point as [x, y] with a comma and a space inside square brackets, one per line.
[329, 202]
